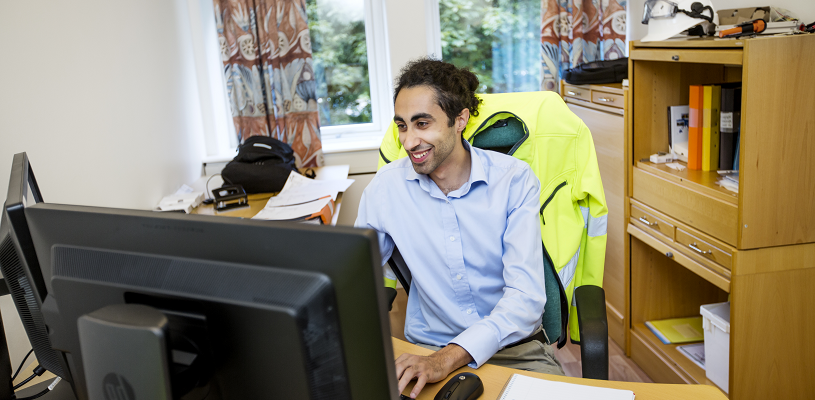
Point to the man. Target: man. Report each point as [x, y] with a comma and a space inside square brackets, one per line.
[466, 222]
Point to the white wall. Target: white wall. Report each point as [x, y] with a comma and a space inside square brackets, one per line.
[804, 9]
[407, 38]
[102, 96]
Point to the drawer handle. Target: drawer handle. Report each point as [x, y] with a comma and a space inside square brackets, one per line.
[571, 93]
[675, 58]
[698, 250]
[646, 222]
[606, 99]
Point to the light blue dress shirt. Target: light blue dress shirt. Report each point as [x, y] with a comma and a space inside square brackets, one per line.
[475, 255]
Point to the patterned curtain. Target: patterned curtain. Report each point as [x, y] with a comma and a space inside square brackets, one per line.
[574, 32]
[266, 51]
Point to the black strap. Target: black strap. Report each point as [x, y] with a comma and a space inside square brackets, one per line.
[696, 11]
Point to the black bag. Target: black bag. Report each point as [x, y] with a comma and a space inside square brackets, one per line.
[263, 165]
[612, 71]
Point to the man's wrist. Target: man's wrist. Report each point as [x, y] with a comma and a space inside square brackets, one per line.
[453, 357]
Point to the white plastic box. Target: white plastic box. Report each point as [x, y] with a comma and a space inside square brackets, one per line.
[716, 323]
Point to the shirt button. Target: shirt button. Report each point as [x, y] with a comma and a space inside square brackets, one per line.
[469, 311]
[458, 276]
[452, 239]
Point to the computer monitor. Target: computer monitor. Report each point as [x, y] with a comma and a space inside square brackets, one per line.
[234, 308]
[21, 269]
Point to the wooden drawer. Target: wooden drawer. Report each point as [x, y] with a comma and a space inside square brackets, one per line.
[709, 271]
[703, 248]
[652, 222]
[577, 92]
[607, 99]
[699, 210]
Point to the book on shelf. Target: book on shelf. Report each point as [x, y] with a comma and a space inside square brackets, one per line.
[730, 125]
[695, 128]
[677, 330]
[678, 123]
[711, 104]
[522, 387]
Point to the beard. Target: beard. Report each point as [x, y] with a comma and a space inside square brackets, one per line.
[438, 155]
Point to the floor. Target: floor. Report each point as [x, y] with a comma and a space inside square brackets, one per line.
[621, 368]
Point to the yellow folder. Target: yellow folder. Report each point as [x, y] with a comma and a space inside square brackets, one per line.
[678, 330]
[712, 104]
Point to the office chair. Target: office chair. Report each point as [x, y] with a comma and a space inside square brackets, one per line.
[503, 136]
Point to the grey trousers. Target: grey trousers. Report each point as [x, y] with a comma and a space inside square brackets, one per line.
[532, 356]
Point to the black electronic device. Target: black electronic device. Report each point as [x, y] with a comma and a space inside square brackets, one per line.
[228, 197]
[222, 308]
[21, 269]
[464, 386]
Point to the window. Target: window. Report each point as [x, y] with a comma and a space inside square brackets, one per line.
[498, 39]
[353, 79]
[350, 53]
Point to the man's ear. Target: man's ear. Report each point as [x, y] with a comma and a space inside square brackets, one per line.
[462, 119]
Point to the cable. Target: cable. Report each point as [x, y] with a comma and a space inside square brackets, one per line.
[21, 365]
[37, 372]
[209, 194]
[40, 394]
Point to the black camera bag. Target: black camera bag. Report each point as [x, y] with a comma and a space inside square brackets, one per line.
[611, 71]
[263, 165]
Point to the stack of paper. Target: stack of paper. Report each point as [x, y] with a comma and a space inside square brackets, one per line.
[522, 387]
[729, 180]
[185, 199]
[302, 197]
[695, 352]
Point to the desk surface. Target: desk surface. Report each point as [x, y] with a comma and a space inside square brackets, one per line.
[258, 201]
[494, 378]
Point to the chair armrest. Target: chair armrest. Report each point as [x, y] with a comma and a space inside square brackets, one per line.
[390, 294]
[591, 318]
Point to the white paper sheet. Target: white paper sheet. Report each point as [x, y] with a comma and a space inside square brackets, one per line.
[299, 189]
[292, 212]
[522, 387]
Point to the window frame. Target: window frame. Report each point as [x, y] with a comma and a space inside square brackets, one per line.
[218, 131]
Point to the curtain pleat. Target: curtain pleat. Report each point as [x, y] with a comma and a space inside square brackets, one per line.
[266, 54]
[574, 32]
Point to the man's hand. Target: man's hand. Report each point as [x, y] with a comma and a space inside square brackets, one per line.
[432, 368]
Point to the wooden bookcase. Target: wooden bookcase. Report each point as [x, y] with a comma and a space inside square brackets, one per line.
[755, 248]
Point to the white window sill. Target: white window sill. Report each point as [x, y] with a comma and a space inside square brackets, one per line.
[347, 144]
[344, 145]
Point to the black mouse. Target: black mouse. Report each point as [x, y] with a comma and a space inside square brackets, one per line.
[464, 386]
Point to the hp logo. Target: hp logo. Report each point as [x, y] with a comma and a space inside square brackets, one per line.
[116, 387]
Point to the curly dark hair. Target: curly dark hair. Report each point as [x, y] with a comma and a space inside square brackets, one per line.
[455, 87]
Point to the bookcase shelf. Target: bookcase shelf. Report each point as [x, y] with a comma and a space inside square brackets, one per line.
[760, 242]
[688, 370]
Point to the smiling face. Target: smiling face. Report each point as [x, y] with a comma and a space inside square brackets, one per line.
[424, 129]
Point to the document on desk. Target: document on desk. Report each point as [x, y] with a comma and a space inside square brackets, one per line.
[522, 387]
[292, 212]
[299, 189]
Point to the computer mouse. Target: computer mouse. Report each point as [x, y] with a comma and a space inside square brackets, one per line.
[464, 386]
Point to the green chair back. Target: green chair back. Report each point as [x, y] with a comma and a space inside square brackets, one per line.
[501, 136]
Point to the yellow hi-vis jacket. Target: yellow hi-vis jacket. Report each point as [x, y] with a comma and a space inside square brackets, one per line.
[559, 148]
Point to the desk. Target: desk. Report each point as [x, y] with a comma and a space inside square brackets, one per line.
[494, 378]
[258, 201]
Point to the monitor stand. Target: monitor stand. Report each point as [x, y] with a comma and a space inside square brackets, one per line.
[63, 390]
[6, 391]
[125, 352]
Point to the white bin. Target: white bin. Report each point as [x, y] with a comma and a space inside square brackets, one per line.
[716, 323]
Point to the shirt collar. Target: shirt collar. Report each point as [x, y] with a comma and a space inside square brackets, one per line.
[477, 174]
